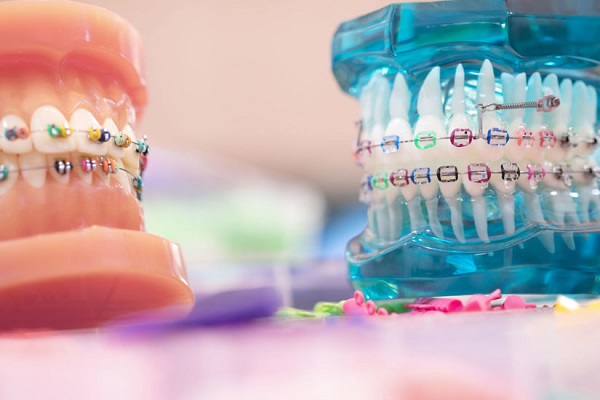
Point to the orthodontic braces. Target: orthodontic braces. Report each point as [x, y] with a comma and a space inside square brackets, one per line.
[476, 173]
[496, 136]
[88, 164]
[95, 134]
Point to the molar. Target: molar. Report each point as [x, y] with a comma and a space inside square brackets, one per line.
[33, 168]
[42, 141]
[81, 121]
[15, 137]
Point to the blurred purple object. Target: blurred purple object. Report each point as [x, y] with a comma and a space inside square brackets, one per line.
[223, 308]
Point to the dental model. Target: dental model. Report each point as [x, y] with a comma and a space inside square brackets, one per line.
[492, 168]
[73, 253]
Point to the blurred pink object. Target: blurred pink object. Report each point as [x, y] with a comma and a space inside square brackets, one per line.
[482, 302]
[357, 306]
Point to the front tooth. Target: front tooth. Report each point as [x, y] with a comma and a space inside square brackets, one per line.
[506, 200]
[81, 166]
[43, 142]
[81, 121]
[33, 168]
[517, 88]
[60, 167]
[399, 99]
[486, 93]
[9, 172]
[367, 102]
[555, 120]
[583, 128]
[381, 91]
[15, 136]
[114, 150]
[460, 120]
[429, 107]
[533, 118]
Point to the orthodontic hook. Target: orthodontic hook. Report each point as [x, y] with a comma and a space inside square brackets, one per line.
[544, 104]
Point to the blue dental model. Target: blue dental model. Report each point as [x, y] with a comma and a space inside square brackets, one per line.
[479, 138]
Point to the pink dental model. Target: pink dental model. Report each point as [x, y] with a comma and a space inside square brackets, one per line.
[73, 251]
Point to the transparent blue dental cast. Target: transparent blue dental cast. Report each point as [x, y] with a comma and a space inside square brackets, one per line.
[540, 257]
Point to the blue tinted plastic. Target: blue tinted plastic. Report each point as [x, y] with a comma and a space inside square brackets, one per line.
[546, 36]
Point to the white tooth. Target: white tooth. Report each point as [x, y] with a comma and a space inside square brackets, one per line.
[8, 163]
[593, 104]
[51, 160]
[508, 94]
[566, 100]
[460, 120]
[400, 99]
[506, 200]
[42, 141]
[366, 102]
[583, 128]
[399, 104]
[101, 175]
[417, 220]
[33, 168]
[486, 93]
[81, 121]
[123, 178]
[534, 210]
[114, 150]
[480, 218]
[429, 101]
[555, 121]
[515, 94]
[429, 107]
[533, 118]
[11, 125]
[86, 177]
[131, 158]
[381, 91]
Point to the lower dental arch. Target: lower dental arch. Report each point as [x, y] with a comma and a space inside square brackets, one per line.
[537, 151]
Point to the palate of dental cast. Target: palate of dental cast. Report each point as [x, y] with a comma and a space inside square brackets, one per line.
[528, 140]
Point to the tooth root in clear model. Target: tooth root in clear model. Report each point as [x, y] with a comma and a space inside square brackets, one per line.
[460, 120]
[486, 93]
[480, 218]
[564, 208]
[429, 107]
[534, 210]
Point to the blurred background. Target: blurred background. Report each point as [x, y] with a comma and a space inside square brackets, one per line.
[251, 137]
